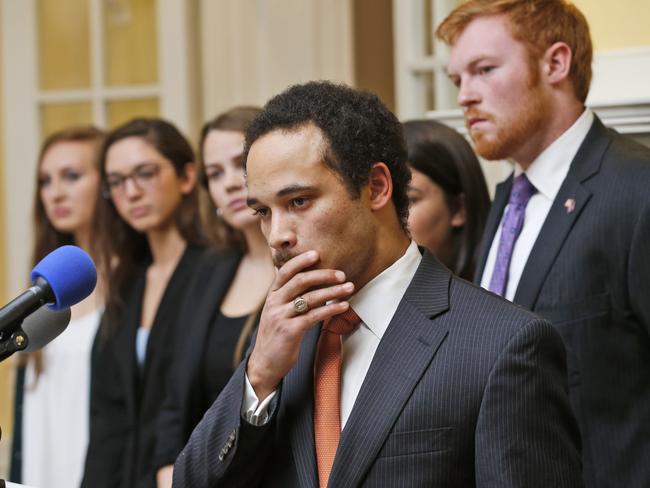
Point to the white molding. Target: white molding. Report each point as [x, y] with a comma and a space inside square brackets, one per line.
[21, 133]
[412, 63]
[627, 117]
[177, 65]
[444, 91]
[335, 53]
[253, 50]
[451, 117]
[98, 61]
[406, 33]
[425, 63]
[100, 95]
[620, 76]
[264, 49]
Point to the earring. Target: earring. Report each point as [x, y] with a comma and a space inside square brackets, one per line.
[218, 212]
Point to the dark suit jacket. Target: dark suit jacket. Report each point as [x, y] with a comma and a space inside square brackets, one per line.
[124, 401]
[464, 390]
[184, 404]
[589, 273]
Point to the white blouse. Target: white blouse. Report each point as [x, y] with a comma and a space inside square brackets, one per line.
[56, 408]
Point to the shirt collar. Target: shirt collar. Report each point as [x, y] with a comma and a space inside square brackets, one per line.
[377, 302]
[550, 168]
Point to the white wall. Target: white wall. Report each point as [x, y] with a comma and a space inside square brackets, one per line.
[252, 50]
[620, 76]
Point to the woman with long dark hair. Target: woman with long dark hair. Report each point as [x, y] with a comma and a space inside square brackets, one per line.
[53, 385]
[226, 300]
[448, 195]
[152, 242]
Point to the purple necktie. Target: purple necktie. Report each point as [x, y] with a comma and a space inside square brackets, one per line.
[522, 190]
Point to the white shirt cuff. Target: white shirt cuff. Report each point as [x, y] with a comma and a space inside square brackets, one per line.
[252, 410]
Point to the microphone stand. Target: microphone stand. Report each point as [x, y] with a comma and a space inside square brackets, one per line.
[17, 341]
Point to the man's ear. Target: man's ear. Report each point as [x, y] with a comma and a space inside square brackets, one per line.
[188, 178]
[380, 186]
[557, 63]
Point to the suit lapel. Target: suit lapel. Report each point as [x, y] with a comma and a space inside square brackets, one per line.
[554, 232]
[298, 400]
[166, 313]
[564, 213]
[501, 197]
[403, 355]
[124, 346]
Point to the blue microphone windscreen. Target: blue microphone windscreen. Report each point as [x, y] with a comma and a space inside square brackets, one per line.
[71, 274]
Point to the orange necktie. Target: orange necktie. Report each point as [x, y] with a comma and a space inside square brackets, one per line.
[327, 390]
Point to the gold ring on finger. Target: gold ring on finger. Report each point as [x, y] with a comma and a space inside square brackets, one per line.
[300, 305]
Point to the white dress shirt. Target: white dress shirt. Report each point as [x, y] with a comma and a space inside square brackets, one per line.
[375, 304]
[546, 173]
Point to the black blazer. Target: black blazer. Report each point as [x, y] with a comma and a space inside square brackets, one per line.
[589, 273]
[184, 404]
[464, 390]
[125, 401]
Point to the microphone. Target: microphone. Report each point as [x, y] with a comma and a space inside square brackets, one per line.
[43, 326]
[61, 279]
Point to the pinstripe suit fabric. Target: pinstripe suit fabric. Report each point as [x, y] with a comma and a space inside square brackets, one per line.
[589, 273]
[464, 390]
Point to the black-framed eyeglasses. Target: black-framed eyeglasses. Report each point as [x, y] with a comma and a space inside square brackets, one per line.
[142, 176]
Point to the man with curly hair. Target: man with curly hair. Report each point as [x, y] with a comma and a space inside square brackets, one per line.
[373, 365]
[568, 233]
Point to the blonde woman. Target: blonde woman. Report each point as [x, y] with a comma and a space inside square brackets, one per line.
[53, 389]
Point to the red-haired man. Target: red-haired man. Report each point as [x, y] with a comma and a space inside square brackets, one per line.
[568, 232]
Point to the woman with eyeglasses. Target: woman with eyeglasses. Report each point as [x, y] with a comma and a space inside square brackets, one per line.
[237, 284]
[53, 385]
[151, 235]
[448, 196]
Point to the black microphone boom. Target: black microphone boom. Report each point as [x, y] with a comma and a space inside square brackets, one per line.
[24, 304]
[12, 338]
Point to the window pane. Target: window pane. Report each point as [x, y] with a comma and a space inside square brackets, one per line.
[124, 110]
[131, 42]
[63, 44]
[56, 116]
